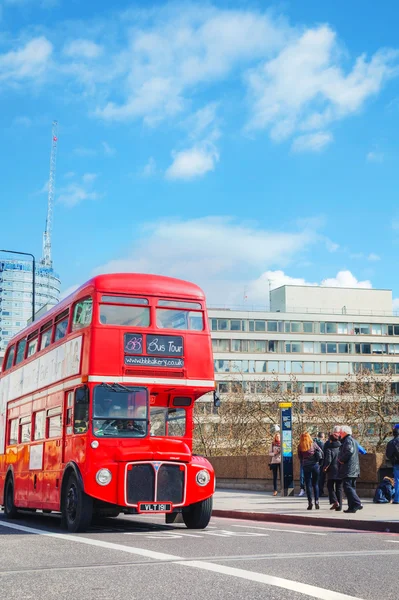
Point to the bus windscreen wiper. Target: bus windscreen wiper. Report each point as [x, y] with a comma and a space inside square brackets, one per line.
[116, 387]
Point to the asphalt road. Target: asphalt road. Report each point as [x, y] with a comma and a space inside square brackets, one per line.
[133, 558]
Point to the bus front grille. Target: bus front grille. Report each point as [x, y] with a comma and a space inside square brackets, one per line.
[150, 482]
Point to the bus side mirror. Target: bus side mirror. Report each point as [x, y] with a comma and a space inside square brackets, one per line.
[216, 400]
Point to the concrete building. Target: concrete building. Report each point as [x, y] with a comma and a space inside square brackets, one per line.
[319, 334]
[16, 295]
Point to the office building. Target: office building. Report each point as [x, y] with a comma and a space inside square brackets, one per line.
[16, 295]
[319, 334]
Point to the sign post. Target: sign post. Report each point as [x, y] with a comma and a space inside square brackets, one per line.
[287, 467]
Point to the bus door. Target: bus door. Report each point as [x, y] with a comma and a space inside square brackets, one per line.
[76, 423]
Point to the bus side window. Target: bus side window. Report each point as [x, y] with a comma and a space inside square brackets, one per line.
[81, 413]
[54, 422]
[25, 429]
[20, 351]
[10, 357]
[13, 438]
[82, 314]
[40, 425]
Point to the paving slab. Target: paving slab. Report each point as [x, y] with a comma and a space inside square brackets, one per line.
[263, 506]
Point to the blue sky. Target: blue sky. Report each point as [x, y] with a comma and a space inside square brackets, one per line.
[229, 143]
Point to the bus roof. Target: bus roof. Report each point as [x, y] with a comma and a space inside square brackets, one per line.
[124, 283]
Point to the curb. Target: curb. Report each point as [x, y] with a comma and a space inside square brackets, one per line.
[380, 526]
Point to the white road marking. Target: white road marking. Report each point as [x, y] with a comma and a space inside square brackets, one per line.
[280, 530]
[392, 541]
[295, 586]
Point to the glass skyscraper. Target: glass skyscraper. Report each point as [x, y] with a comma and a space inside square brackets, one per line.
[16, 295]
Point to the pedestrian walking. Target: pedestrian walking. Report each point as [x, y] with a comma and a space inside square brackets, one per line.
[275, 462]
[392, 453]
[349, 468]
[310, 455]
[321, 442]
[301, 482]
[330, 467]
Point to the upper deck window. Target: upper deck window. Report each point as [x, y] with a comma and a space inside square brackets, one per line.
[20, 351]
[124, 300]
[179, 304]
[46, 338]
[82, 314]
[61, 325]
[128, 316]
[10, 357]
[33, 339]
[180, 319]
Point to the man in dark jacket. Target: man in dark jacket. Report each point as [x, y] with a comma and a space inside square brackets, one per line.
[392, 453]
[334, 484]
[321, 441]
[349, 468]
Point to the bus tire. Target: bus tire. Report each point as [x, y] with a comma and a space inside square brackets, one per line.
[77, 507]
[10, 510]
[198, 515]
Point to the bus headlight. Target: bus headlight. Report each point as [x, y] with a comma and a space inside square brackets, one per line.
[103, 476]
[202, 477]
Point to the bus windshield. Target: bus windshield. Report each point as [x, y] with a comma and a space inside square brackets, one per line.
[120, 412]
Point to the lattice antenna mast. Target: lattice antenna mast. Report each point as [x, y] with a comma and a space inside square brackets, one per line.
[47, 259]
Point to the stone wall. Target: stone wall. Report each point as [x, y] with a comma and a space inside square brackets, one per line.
[253, 473]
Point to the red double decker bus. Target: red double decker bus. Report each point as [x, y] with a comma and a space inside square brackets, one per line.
[96, 404]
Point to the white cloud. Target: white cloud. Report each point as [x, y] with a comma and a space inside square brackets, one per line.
[376, 157]
[108, 150]
[312, 142]
[182, 48]
[83, 49]
[304, 87]
[373, 257]
[69, 290]
[78, 191]
[150, 168]
[346, 279]
[193, 162]
[220, 254]
[29, 62]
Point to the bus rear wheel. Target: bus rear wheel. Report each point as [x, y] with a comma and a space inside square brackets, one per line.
[198, 515]
[10, 510]
[77, 509]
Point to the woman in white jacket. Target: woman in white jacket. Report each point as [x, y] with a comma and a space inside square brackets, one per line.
[275, 462]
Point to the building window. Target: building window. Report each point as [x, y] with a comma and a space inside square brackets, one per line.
[376, 329]
[260, 366]
[272, 326]
[307, 327]
[235, 325]
[308, 347]
[260, 325]
[308, 367]
[272, 366]
[222, 324]
[362, 329]
[236, 345]
[343, 348]
[311, 388]
[296, 366]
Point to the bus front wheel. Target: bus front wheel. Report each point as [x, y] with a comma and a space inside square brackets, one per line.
[198, 515]
[10, 510]
[77, 510]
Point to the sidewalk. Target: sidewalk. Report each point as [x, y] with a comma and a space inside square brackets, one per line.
[262, 506]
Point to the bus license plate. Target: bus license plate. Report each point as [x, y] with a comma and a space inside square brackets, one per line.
[155, 507]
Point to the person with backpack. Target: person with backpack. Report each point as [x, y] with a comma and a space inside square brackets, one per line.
[392, 454]
[310, 455]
